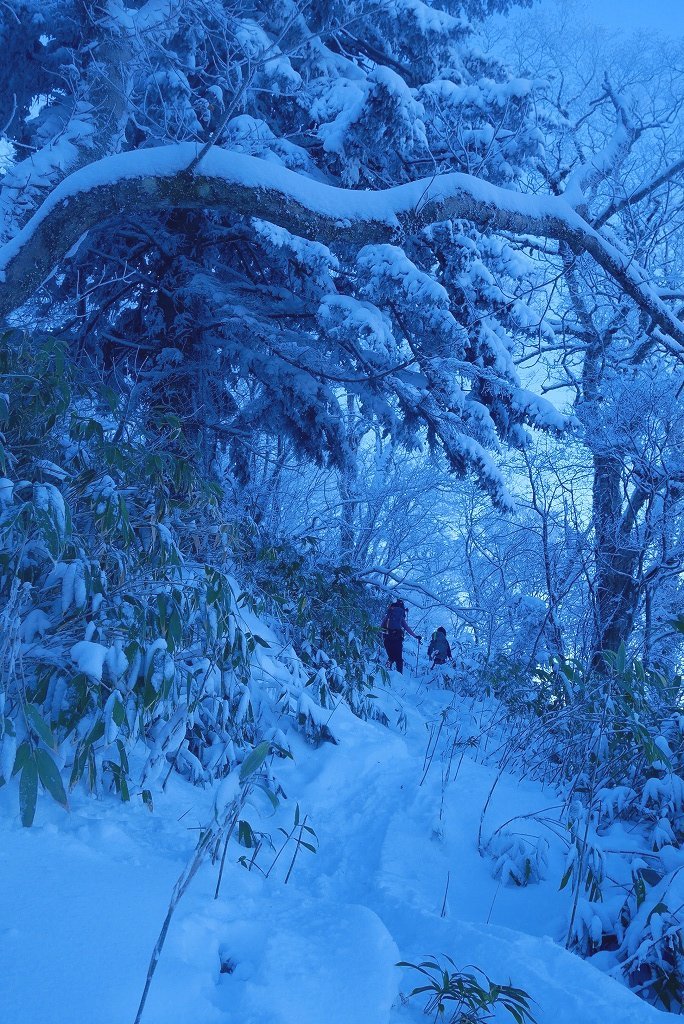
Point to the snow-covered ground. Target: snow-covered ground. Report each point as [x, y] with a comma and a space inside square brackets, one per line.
[83, 896]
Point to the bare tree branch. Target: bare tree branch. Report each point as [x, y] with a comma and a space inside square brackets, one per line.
[642, 193]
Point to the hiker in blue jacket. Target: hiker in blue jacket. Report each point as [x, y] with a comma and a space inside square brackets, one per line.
[393, 626]
[439, 650]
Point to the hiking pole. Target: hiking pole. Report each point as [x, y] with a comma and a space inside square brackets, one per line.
[417, 653]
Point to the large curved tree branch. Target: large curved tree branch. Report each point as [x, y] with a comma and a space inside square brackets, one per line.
[158, 179]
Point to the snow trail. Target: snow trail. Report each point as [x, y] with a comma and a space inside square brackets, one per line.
[85, 896]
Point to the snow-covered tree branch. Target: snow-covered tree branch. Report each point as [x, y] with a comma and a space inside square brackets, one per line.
[156, 179]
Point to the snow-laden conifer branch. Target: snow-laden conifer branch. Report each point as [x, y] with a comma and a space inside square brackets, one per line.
[158, 179]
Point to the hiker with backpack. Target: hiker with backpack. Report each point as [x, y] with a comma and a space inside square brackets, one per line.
[393, 626]
[439, 649]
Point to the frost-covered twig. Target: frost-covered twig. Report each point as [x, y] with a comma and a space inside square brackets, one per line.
[227, 810]
[179, 889]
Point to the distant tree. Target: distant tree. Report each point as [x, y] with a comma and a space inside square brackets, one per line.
[617, 153]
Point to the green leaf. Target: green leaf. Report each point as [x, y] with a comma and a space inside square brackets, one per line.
[174, 630]
[161, 608]
[92, 770]
[271, 796]
[96, 733]
[40, 725]
[246, 835]
[254, 760]
[149, 695]
[566, 878]
[50, 776]
[118, 713]
[147, 799]
[28, 792]
[621, 660]
[21, 757]
[80, 758]
[422, 988]
[123, 757]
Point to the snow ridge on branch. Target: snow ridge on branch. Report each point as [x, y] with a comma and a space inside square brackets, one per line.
[158, 178]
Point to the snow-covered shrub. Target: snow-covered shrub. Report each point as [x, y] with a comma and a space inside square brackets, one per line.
[128, 649]
[326, 613]
[611, 745]
[518, 860]
[585, 871]
[651, 951]
[614, 742]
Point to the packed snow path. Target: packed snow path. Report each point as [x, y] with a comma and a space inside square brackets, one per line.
[84, 896]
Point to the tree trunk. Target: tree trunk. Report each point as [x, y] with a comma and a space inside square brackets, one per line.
[616, 584]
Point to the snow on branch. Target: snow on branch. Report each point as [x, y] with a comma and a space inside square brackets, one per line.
[158, 179]
[608, 160]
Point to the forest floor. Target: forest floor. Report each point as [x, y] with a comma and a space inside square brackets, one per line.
[83, 895]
